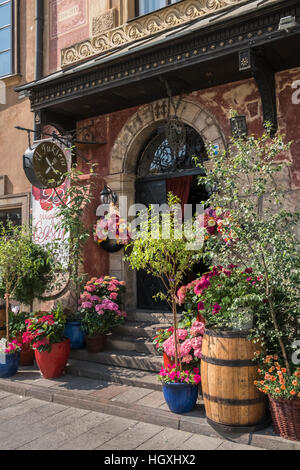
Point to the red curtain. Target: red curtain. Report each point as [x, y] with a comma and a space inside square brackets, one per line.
[180, 187]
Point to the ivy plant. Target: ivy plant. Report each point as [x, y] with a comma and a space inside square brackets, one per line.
[257, 230]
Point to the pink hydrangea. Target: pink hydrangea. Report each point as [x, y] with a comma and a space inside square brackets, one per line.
[198, 353]
[86, 304]
[182, 334]
[197, 342]
[186, 347]
[187, 359]
[197, 328]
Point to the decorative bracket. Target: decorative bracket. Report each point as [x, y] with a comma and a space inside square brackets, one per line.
[265, 79]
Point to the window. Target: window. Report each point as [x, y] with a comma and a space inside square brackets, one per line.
[6, 37]
[14, 215]
[146, 6]
[159, 157]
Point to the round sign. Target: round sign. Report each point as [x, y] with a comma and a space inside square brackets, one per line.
[45, 165]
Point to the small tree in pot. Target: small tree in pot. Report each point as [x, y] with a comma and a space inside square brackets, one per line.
[19, 266]
[164, 250]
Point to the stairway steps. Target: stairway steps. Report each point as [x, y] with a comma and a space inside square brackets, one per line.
[124, 343]
[139, 329]
[153, 317]
[120, 375]
[126, 359]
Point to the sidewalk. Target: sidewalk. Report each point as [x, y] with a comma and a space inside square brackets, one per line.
[140, 404]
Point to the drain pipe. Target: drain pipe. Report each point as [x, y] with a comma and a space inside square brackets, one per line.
[39, 56]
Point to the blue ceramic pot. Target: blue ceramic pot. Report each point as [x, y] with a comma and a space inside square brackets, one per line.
[180, 397]
[9, 364]
[75, 334]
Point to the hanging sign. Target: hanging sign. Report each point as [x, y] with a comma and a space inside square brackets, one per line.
[45, 165]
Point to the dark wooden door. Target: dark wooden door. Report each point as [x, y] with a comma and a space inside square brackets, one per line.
[150, 192]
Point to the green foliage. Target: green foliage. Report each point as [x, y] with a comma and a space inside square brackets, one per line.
[17, 323]
[168, 258]
[43, 330]
[71, 214]
[163, 250]
[249, 188]
[34, 283]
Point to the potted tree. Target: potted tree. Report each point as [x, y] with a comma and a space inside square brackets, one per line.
[162, 248]
[16, 264]
[257, 231]
[45, 333]
[30, 286]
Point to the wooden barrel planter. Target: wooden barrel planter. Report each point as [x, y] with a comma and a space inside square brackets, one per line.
[231, 400]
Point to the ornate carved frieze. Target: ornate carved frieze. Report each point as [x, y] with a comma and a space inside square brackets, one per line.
[104, 22]
[143, 27]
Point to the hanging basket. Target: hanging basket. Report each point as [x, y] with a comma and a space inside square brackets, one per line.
[286, 417]
[111, 245]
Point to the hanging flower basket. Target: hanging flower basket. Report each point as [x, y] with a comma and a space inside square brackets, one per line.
[111, 231]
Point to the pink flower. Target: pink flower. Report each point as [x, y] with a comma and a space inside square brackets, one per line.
[91, 288]
[216, 309]
[200, 306]
[113, 295]
[197, 328]
[188, 358]
[202, 284]
[182, 334]
[248, 270]
[198, 353]
[186, 347]
[87, 305]
[197, 378]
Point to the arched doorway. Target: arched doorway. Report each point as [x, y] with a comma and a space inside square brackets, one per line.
[166, 164]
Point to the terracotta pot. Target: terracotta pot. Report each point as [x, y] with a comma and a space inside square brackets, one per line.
[95, 344]
[26, 354]
[52, 364]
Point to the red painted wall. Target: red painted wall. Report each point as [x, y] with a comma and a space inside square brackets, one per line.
[241, 96]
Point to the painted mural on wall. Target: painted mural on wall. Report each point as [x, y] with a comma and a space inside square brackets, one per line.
[69, 23]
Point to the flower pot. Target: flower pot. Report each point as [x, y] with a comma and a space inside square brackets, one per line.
[75, 334]
[26, 354]
[95, 344]
[286, 417]
[52, 364]
[111, 245]
[228, 373]
[180, 397]
[9, 364]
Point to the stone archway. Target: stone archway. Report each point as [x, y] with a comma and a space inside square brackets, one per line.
[127, 149]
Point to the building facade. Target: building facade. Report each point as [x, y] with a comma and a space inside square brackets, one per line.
[119, 71]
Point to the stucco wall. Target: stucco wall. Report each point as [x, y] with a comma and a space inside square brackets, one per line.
[17, 111]
[242, 96]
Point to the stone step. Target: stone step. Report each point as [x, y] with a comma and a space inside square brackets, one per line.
[126, 359]
[139, 329]
[120, 375]
[153, 317]
[129, 343]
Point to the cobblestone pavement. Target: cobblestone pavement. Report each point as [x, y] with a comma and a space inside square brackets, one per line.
[31, 424]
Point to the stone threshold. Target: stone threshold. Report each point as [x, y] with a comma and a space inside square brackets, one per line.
[145, 405]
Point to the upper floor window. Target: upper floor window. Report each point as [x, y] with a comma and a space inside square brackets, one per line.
[6, 37]
[147, 6]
